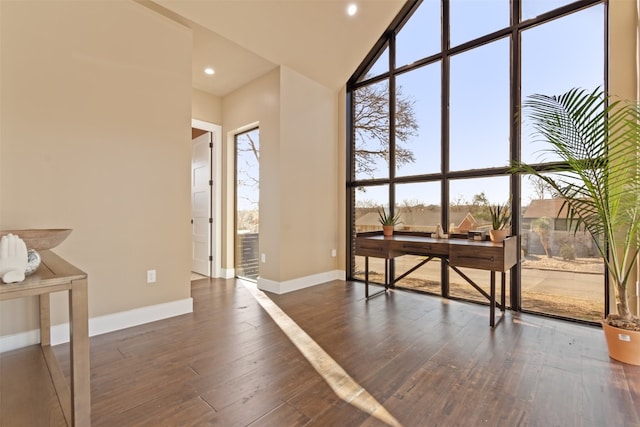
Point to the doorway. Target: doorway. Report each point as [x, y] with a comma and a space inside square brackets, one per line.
[247, 223]
[205, 198]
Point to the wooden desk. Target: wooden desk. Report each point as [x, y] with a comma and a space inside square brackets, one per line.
[55, 275]
[484, 255]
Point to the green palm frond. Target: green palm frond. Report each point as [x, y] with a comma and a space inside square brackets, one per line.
[594, 143]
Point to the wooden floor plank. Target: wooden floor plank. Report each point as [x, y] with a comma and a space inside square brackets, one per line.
[423, 360]
[27, 395]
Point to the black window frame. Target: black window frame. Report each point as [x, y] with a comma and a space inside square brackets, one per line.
[387, 41]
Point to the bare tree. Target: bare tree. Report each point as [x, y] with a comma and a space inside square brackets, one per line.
[367, 204]
[540, 187]
[372, 127]
[248, 158]
[459, 201]
[480, 199]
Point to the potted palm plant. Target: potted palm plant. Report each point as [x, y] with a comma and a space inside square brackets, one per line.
[596, 141]
[500, 215]
[388, 221]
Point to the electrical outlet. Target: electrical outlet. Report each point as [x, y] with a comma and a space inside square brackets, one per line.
[334, 253]
[151, 276]
[263, 258]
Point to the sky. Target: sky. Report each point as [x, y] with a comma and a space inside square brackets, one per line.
[566, 53]
[247, 171]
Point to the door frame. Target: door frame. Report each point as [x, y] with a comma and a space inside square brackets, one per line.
[215, 238]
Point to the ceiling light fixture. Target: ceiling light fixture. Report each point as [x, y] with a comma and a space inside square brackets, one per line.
[209, 71]
[352, 9]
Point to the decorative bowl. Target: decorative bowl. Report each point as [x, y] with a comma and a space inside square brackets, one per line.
[40, 239]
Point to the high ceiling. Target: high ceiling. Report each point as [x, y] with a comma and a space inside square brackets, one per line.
[243, 39]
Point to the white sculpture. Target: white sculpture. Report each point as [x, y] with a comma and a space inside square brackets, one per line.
[439, 234]
[13, 258]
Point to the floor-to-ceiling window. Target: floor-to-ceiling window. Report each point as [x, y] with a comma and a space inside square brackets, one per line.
[434, 125]
[561, 272]
[247, 146]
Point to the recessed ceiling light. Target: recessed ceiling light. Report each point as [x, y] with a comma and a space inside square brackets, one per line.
[352, 9]
[209, 71]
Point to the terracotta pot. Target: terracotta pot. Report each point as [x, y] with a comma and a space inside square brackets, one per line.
[624, 345]
[387, 230]
[498, 235]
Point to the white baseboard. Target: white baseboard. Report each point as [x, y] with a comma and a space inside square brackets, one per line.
[102, 324]
[299, 283]
[15, 341]
[227, 273]
[126, 319]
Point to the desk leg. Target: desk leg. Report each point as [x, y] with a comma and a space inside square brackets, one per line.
[80, 369]
[45, 320]
[386, 274]
[502, 297]
[366, 277]
[492, 301]
[366, 280]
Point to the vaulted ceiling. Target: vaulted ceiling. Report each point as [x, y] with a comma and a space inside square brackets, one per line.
[243, 39]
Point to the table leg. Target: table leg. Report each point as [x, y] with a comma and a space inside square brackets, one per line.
[386, 274]
[45, 319]
[502, 297]
[366, 277]
[80, 368]
[492, 301]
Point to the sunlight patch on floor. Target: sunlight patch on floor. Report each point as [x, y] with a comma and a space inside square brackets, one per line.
[345, 387]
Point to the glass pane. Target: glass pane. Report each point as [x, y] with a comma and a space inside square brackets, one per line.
[468, 210]
[470, 200]
[380, 66]
[471, 19]
[367, 202]
[371, 129]
[420, 211]
[418, 133]
[479, 117]
[533, 8]
[247, 204]
[420, 36]
[563, 54]
[460, 288]
[562, 272]
[419, 206]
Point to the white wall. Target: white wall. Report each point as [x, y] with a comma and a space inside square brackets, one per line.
[298, 120]
[256, 103]
[206, 107]
[95, 136]
[308, 177]
[624, 77]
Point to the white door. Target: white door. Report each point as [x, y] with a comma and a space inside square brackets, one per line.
[201, 204]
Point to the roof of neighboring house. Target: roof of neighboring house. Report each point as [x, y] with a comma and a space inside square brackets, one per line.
[468, 223]
[550, 208]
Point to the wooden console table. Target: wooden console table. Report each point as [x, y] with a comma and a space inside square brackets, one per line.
[456, 252]
[56, 275]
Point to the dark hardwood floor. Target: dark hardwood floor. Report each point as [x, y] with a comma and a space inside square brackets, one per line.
[425, 361]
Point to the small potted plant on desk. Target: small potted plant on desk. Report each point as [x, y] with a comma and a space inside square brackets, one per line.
[500, 222]
[388, 222]
[597, 140]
